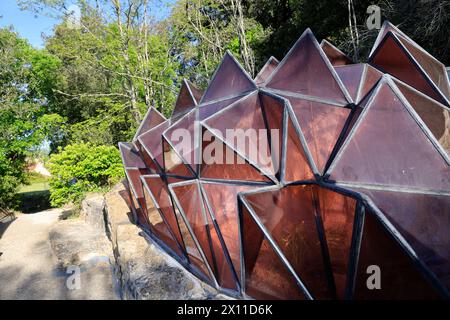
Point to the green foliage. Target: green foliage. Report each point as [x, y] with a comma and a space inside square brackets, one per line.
[81, 168]
[23, 125]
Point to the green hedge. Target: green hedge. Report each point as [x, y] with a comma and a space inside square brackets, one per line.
[81, 168]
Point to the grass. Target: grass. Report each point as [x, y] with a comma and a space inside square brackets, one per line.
[34, 196]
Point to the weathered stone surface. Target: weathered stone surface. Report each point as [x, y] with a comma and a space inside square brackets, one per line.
[92, 211]
[146, 271]
[82, 246]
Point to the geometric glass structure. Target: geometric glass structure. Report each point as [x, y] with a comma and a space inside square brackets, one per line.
[308, 180]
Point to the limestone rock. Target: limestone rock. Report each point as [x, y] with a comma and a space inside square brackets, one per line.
[79, 245]
[92, 211]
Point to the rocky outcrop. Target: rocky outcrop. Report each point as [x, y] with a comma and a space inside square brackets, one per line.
[82, 248]
[92, 211]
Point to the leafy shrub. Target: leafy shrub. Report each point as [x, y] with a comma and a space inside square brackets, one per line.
[81, 168]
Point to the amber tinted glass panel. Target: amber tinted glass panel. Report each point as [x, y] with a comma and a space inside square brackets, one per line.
[338, 213]
[173, 163]
[221, 162]
[137, 193]
[151, 120]
[321, 125]
[435, 115]
[424, 221]
[196, 92]
[134, 178]
[336, 57]
[296, 164]
[229, 80]
[274, 113]
[305, 71]
[159, 227]
[266, 71]
[185, 134]
[192, 251]
[351, 76]
[399, 277]
[137, 207]
[371, 78]
[185, 101]
[208, 109]
[266, 277]
[151, 141]
[388, 147]
[289, 215]
[393, 59]
[434, 69]
[160, 193]
[191, 204]
[148, 161]
[130, 156]
[243, 128]
[224, 269]
[223, 201]
[183, 138]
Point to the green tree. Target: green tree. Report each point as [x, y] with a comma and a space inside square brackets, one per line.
[23, 125]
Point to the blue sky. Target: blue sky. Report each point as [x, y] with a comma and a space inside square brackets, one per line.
[31, 27]
[25, 22]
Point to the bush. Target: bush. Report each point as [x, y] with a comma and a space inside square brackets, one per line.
[81, 168]
[12, 175]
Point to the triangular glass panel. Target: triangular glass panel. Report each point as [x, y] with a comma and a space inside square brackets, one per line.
[351, 76]
[158, 225]
[151, 142]
[424, 222]
[306, 70]
[130, 156]
[388, 147]
[433, 68]
[133, 176]
[151, 120]
[223, 200]
[225, 274]
[321, 125]
[393, 58]
[191, 202]
[435, 115]
[145, 156]
[186, 100]
[297, 166]
[265, 276]
[242, 128]
[221, 162]
[371, 78]
[195, 258]
[398, 276]
[173, 164]
[289, 216]
[229, 80]
[160, 193]
[268, 68]
[338, 214]
[274, 115]
[336, 56]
